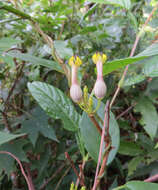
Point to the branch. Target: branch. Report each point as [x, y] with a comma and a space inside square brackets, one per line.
[27, 168]
[50, 179]
[46, 38]
[74, 168]
[152, 179]
[14, 85]
[106, 153]
[21, 168]
[94, 121]
[16, 12]
[81, 174]
[131, 55]
[126, 111]
[62, 177]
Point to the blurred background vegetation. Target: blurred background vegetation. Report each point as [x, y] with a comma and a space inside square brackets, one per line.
[77, 27]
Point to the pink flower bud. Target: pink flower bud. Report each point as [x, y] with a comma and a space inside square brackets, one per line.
[100, 88]
[76, 93]
[75, 90]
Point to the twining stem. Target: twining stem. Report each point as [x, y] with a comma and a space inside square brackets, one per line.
[106, 154]
[152, 178]
[27, 168]
[131, 55]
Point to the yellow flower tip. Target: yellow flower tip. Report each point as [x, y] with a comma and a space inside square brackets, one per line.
[75, 60]
[99, 57]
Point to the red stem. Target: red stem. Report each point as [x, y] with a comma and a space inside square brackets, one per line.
[74, 168]
[131, 54]
[21, 168]
[106, 123]
[151, 179]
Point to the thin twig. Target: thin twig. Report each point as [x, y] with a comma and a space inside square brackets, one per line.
[21, 168]
[57, 186]
[46, 38]
[74, 168]
[126, 111]
[6, 104]
[6, 122]
[53, 176]
[27, 168]
[81, 174]
[152, 179]
[96, 124]
[61, 31]
[96, 180]
[14, 85]
[131, 55]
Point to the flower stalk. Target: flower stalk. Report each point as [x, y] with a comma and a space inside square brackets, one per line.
[100, 86]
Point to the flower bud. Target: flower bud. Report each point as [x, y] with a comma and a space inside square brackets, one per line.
[76, 93]
[72, 186]
[100, 89]
[100, 86]
[75, 90]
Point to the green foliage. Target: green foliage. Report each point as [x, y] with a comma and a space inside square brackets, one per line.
[91, 137]
[55, 103]
[36, 38]
[16, 148]
[129, 148]
[36, 60]
[146, 108]
[123, 3]
[117, 64]
[38, 123]
[138, 185]
[6, 137]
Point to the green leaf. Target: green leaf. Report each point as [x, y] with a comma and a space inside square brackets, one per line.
[133, 80]
[6, 137]
[150, 51]
[90, 11]
[16, 148]
[129, 148]
[140, 185]
[38, 123]
[122, 3]
[133, 164]
[6, 43]
[156, 146]
[88, 29]
[55, 103]
[119, 63]
[36, 60]
[43, 162]
[62, 49]
[150, 68]
[133, 20]
[149, 115]
[91, 137]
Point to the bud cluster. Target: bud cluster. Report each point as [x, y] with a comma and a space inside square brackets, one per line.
[99, 88]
